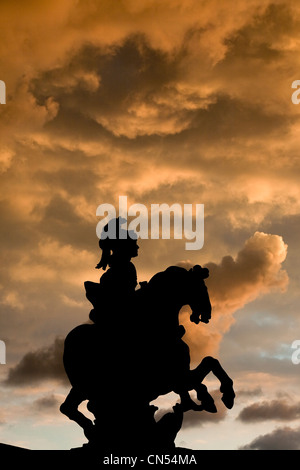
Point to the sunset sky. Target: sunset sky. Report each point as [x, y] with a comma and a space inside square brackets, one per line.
[169, 101]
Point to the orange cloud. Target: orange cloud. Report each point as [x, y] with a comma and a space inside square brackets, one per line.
[233, 283]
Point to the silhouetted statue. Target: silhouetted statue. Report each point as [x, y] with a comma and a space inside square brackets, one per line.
[134, 352]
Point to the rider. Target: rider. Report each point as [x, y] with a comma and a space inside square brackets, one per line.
[118, 283]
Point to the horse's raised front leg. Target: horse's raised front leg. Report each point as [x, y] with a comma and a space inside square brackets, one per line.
[70, 408]
[187, 403]
[209, 364]
[191, 382]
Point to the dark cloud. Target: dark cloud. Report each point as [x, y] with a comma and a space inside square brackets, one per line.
[42, 364]
[255, 40]
[61, 222]
[285, 438]
[249, 392]
[111, 85]
[47, 403]
[281, 410]
[227, 118]
[132, 89]
[194, 419]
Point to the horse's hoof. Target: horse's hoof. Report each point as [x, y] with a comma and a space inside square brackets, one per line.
[228, 399]
[178, 409]
[186, 406]
[228, 395]
[209, 406]
[206, 399]
[196, 407]
[89, 431]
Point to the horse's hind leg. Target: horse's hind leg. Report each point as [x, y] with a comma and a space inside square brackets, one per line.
[209, 364]
[70, 408]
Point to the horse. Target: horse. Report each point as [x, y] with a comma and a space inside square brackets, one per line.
[150, 356]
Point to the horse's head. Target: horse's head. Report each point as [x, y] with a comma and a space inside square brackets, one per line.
[198, 295]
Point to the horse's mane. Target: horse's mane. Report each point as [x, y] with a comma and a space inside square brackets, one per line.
[176, 275]
[170, 274]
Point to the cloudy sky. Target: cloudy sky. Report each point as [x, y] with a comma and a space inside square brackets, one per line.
[183, 102]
